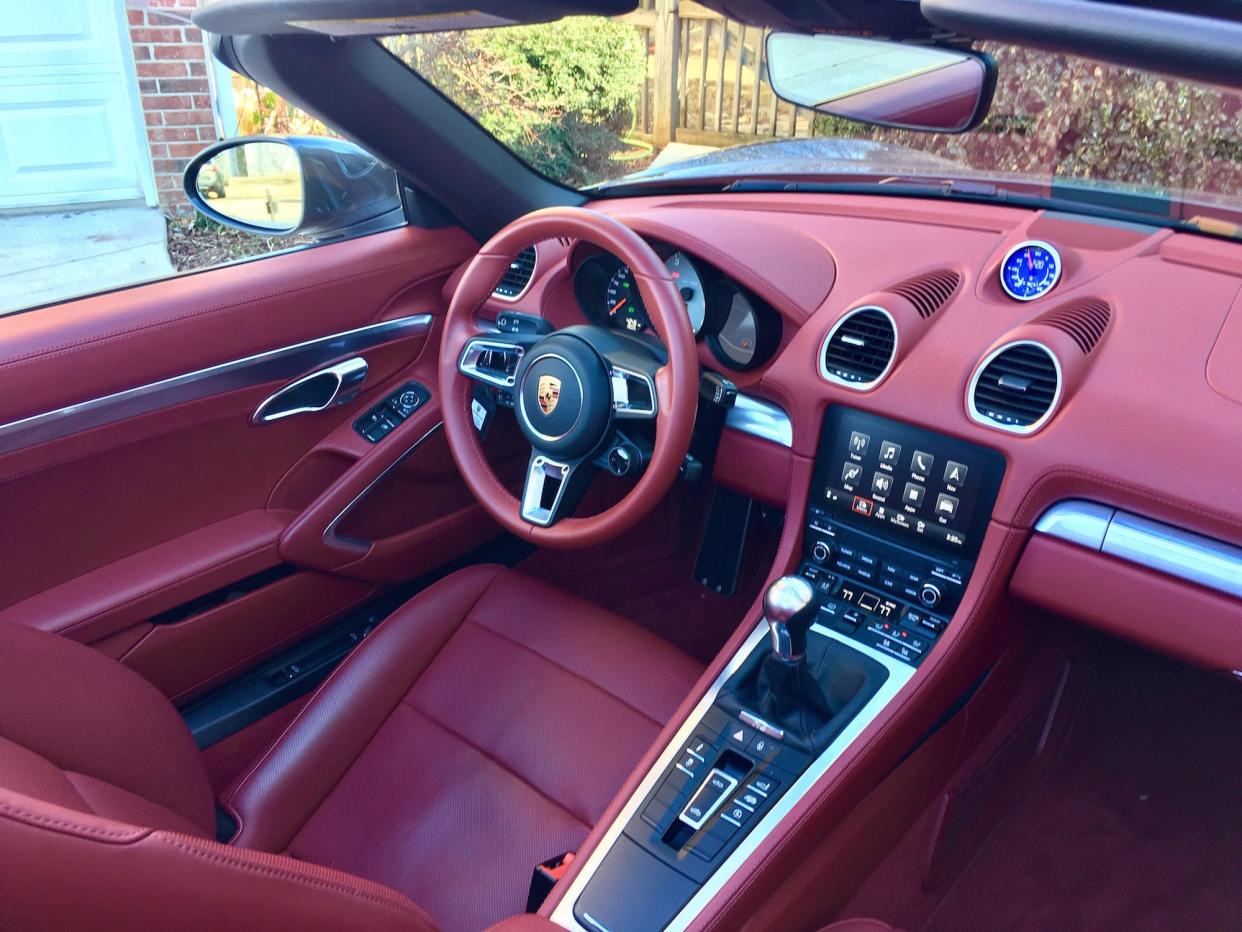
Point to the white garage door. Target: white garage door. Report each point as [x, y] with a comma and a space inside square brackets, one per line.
[70, 125]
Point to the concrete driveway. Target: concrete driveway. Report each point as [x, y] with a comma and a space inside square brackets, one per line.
[61, 254]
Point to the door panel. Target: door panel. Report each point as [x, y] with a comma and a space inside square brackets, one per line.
[126, 513]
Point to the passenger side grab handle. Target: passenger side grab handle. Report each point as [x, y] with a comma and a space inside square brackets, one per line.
[334, 385]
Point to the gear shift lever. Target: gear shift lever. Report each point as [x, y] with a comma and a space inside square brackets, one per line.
[790, 607]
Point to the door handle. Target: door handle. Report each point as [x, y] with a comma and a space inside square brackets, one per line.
[334, 385]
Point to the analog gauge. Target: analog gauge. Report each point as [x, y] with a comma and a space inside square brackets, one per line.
[738, 337]
[688, 282]
[1030, 271]
[623, 305]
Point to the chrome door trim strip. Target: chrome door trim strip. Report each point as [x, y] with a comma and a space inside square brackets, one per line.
[899, 675]
[283, 363]
[761, 419]
[1193, 558]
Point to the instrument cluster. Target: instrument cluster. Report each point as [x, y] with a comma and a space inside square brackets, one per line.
[741, 330]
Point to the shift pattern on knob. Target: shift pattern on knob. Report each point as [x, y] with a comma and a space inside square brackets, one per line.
[790, 607]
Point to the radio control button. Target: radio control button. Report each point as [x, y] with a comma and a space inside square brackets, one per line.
[930, 595]
[821, 552]
[859, 443]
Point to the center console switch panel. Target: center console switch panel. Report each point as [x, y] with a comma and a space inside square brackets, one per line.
[727, 776]
[894, 523]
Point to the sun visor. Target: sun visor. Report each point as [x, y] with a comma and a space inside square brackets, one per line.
[386, 17]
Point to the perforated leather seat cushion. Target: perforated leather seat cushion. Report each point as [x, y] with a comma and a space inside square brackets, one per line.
[480, 730]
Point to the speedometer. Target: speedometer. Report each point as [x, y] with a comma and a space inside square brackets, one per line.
[624, 306]
[1030, 270]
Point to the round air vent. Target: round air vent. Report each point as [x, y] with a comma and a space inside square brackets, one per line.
[1016, 387]
[859, 349]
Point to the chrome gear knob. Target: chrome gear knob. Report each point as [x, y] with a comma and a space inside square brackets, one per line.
[790, 607]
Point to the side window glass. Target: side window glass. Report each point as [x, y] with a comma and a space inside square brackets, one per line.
[106, 110]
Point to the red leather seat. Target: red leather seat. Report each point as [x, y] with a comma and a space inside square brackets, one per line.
[481, 729]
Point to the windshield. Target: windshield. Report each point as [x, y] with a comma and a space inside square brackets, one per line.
[589, 101]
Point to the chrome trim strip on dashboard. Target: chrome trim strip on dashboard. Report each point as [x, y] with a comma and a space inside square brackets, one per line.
[898, 675]
[1194, 558]
[1082, 523]
[283, 363]
[761, 419]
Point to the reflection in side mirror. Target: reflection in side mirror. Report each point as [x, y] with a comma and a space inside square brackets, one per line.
[258, 184]
[309, 185]
[918, 87]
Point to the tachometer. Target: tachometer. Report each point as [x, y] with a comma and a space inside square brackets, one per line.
[1030, 270]
[691, 287]
[624, 306]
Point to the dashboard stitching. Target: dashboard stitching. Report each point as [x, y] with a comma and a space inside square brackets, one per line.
[1112, 482]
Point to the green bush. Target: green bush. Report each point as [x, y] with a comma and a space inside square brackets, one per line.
[559, 94]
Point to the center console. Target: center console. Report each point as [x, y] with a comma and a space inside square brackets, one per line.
[894, 523]
[893, 527]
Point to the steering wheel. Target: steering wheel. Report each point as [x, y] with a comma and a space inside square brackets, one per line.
[571, 387]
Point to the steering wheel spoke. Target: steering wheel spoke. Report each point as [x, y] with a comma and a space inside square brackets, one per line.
[492, 359]
[552, 488]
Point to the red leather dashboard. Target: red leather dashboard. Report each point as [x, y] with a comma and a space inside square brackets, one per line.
[1148, 419]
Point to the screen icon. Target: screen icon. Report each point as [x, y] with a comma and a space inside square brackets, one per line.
[863, 506]
[852, 472]
[922, 462]
[859, 443]
[889, 452]
[913, 494]
[955, 473]
[946, 506]
[881, 483]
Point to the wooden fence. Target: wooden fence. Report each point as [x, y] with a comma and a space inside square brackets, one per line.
[706, 79]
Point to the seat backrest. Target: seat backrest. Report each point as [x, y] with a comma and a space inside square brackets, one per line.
[107, 817]
[84, 732]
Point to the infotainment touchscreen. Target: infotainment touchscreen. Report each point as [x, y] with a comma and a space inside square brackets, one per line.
[904, 482]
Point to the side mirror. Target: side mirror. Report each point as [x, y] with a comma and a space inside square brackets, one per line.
[309, 185]
[892, 84]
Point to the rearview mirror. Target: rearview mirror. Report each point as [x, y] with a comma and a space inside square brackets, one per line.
[893, 84]
[279, 185]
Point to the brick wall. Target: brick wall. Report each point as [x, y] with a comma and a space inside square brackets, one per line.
[171, 61]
